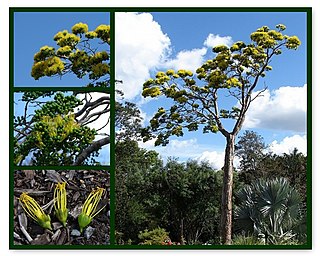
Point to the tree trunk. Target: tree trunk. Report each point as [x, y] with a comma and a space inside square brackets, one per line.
[226, 202]
[181, 232]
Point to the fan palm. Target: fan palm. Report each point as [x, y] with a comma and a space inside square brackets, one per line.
[269, 208]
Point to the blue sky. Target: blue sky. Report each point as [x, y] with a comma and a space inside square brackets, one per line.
[149, 42]
[32, 30]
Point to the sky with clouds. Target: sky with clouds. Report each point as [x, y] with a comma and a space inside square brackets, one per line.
[151, 42]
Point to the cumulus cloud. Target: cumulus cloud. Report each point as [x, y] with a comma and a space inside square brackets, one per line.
[216, 159]
[193, 59]
[214, 40]
[288, 144]
[140, 47]
[281, 109]
[189, 60]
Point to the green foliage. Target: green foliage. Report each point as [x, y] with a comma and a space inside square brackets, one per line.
[269, 208]
[77, 53]
[182, 198]
[255, 164]
[246, 240]
[52, 136]
[60, 105]
[128, 122]
[250, 149]
[195, 96]
[157, 236]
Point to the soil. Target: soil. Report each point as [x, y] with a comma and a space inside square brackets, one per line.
[40, 184]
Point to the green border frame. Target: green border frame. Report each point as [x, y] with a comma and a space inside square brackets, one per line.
[112, 11]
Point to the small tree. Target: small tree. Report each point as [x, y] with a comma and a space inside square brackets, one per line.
[235, 70]
[250, 149]
[157, 236]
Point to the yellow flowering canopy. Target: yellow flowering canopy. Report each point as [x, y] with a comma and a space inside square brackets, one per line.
[236, 69]
[77, 52]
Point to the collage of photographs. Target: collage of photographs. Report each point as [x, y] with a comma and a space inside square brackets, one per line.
[160, 128]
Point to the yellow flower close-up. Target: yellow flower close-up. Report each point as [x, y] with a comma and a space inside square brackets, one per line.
[89, 208]
[34, 211]
[60, 202]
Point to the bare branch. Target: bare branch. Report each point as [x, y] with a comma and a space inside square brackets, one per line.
[85, 121]
[92, 104]
[90, 149]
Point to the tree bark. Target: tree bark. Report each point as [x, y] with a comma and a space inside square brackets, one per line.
[181, 232]
[226, 201]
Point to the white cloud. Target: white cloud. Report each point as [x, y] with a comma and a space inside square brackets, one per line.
[190, 149]
[100, 123]
[215, 40]
[183, 149]
[282, 109]
[288, 144]
[216, 159]
[190, 60]
[140, 47]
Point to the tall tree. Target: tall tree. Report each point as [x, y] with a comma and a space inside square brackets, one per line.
[235, 70]
[128, 121]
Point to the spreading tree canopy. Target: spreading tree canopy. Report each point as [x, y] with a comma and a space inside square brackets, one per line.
[79, 53]
[234, 70]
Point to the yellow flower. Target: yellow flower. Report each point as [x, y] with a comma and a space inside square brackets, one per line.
[33, 209]
[89, 208]
[60, 202]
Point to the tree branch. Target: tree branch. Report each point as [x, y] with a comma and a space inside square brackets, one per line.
[93, 147]
[92, 104]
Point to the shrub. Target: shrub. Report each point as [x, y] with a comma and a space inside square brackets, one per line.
[157, 236]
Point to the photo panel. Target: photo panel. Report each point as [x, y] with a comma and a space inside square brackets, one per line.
[219, 149]
[61, 48]
[61, 128]
[160, 128]
[61, 208]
